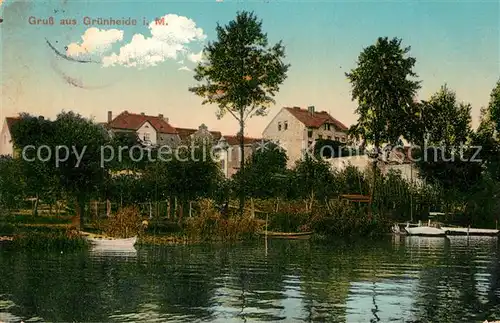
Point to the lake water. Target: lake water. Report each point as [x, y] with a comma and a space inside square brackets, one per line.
[403, 280]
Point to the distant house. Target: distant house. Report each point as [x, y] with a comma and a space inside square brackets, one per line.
[6, 143]
[296, 129]
[230, 153]
[151, 130]
[187, 134]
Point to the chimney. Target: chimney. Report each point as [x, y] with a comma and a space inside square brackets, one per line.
[311, 109]
[143, 114]
[110, 116]
[166, 120]
[160, 116]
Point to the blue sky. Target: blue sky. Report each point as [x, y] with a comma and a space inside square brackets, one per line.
[457, 43]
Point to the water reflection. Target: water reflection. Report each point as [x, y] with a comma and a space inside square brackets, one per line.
[410, 279]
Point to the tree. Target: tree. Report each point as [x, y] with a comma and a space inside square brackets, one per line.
[80, 175]
[241, 73]
[313, 179]
[12, 183]
[39, 177]
[383, 85]
[264, 173]
[494, 106]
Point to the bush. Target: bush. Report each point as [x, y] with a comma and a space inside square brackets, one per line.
[126, 223]
[343, 219]
[211, 226]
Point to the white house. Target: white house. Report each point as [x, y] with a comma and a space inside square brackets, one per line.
[152, 130]
[6, 144]
[296, 129]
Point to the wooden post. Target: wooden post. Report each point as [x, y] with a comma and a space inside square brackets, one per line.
[252, 214]
[190, 208]
[108, 207]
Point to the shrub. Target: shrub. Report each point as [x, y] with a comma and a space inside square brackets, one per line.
[211, 226]
[163, 227]
[343, 219]
[126, 223]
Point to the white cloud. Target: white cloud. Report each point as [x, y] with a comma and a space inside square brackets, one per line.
[167, 41]
[95, 40]
[195, 58]
[185, 68]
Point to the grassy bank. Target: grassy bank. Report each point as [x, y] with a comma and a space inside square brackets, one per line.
[339, 219]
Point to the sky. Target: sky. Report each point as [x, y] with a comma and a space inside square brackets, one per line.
[148, 68]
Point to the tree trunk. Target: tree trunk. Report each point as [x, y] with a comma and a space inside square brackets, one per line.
[242, 163]
[77, 220]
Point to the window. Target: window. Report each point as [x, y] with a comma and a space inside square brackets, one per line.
[309, 133]
[309, 143]
[342, 139]
[327, 126]
[222, 163]
[320, 136]
[329, 137]
[279, 126]
[146, 137]
[286, 125]
[337, 138]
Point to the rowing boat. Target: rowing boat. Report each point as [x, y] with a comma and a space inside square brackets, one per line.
[286, 235]
[105, 242]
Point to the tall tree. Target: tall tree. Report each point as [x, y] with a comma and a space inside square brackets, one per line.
[32, 132]
[80, 175]
[384, 86]
[494, 106]
[241, 73]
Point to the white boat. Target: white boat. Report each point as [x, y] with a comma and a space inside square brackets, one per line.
[424, 230]
[103, 242]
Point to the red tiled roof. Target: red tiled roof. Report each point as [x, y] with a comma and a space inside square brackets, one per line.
[11, 121]
[235, 140]
[184, 133]
[315, 120]
[131, 121]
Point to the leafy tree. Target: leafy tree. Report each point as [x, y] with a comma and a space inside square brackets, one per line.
[444, 121]
[445, 158]
[313, 179]
[383, 85]
[30, 133]
[494, 106]
[241, 73]
[12, 183]
[264, 173]
[81, 175]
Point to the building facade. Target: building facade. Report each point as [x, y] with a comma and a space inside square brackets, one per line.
[151, 130]
[6, 143]
[296, 129]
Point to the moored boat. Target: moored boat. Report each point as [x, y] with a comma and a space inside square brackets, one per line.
[104, 242]
[286, 235]
[425, 231]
